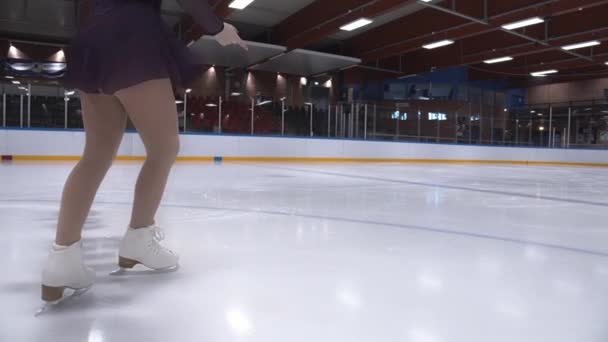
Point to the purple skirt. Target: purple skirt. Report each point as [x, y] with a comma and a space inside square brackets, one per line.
[125, 46]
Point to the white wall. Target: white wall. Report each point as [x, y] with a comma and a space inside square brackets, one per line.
[67, 143]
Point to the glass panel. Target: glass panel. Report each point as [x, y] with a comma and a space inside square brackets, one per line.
[589, 126]
[203, 114]
[13, 105]
[75, 112]
[47, 111]
[268, 117]
[386, 123]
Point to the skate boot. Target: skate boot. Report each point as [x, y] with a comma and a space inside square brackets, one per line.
[143, 246]
[65, 275]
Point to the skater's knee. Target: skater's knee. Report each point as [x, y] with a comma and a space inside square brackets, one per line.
[99, 160]
[98, 157]
[165, 151]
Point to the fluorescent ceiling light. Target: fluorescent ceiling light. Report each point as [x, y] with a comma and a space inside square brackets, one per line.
[523, 23]
[427, 0]
[606, 63]
[498, 60]
[543, 73]
[240, 4]
[356, 24]
[188, 91]
[581, 45]
[438, 44]
[16, 82]
[210, 105]
[264, 102]
[11, 77]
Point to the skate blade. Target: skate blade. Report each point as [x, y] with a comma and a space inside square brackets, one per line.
[129, 272]
[75, 293]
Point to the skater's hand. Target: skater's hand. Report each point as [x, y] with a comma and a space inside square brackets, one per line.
[230, 36]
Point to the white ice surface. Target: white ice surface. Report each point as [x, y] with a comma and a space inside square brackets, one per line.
[325, 253]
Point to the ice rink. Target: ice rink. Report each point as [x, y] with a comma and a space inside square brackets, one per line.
[324, 253]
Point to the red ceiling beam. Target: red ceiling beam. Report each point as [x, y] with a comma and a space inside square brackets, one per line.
[424, 24]
[422, 61]
[552, 61]
[470, 29]
[315, 14]
[571, 68]
[563, 30]
[323, 18]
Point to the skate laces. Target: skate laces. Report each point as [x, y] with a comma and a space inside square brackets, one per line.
[158, 235]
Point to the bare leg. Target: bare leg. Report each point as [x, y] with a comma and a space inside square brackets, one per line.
[151, 107]
[104, 122]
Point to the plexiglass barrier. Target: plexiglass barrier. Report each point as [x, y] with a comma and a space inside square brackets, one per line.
[555, 125]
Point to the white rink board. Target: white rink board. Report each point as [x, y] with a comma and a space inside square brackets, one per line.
[71, 143]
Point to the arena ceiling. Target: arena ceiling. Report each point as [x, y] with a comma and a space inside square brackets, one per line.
[392, 44]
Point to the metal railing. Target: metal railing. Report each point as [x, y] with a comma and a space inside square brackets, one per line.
[557, 125]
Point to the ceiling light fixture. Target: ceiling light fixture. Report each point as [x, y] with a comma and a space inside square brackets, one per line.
[581, 45]
[357, 24]
[543, 73]
[240, 4]
[407, 76]
[523, 23]
[438, 44]
[498, 60]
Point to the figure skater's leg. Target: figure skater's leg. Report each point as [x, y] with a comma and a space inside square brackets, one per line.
[151, 107]
[104, 122]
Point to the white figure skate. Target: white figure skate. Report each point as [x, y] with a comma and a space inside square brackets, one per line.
[65, 276]
[143, 247]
